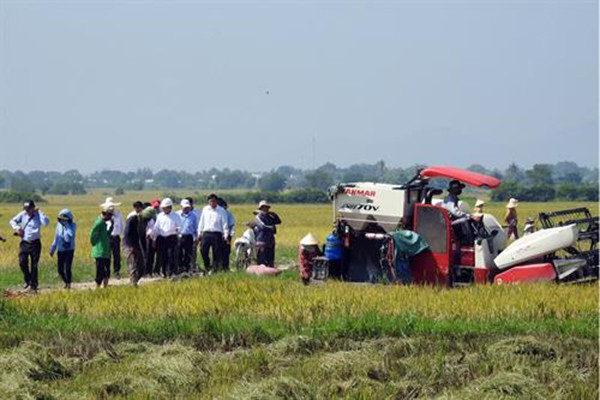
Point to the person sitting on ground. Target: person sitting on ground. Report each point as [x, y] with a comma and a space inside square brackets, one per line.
[64, 245]
[307, 252]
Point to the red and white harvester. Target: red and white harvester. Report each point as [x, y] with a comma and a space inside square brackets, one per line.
[365, 213]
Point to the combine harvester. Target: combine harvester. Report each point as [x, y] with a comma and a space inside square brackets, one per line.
[365, 214]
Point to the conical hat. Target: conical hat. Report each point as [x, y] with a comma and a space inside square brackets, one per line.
[479, 203]
[309, 240]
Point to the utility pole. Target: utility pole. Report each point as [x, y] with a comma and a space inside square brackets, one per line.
[314, 151]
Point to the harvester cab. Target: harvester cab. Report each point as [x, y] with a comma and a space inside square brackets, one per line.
[365, 213]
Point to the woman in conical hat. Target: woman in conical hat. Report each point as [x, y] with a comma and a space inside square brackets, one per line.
[308, 250]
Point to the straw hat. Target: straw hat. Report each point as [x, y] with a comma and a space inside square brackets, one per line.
[109, 203]
[263, 203]
[512, 203]
[309, 240]
[479, 203]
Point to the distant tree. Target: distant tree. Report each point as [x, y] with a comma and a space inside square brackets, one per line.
[328, 168]
[19, 182]
[540, 174]
[352, 176]
[566, 172]
[318, 180]
[478, 168]
[514, 174]
[119, 191]
[273, 182]
[168, 179]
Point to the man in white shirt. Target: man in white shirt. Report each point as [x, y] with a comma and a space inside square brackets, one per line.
[213, 232]
[115, 237]
[166, 230]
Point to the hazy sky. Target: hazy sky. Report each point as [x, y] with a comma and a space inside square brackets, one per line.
[193, 85]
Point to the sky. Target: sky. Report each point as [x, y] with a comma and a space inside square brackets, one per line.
[252, 85]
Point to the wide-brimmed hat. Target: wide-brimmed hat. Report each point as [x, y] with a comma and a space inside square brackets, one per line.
[512, 203]
[530, 220]
[263, 203]
[479, 203]
[109, 203]
[166, 202]
[455, 184]
[309, 240]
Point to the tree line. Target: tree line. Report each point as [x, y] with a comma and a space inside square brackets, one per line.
[564, 180]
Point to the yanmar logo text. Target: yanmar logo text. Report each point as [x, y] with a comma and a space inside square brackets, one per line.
[360, 192]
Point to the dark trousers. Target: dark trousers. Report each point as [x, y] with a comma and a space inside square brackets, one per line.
[214, 241]
[135, 263]
[265, 254]
[150, 258]
[186, 252]
[226, 252]
[65, 261]
[166, 247]
[115, 250]
[102, 269]
[30, 251]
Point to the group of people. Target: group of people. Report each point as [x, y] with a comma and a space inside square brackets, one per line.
[155, 239]
[451, 203]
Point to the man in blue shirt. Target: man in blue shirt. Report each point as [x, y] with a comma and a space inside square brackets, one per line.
[231, 224]
[187, 238]
[27, 225]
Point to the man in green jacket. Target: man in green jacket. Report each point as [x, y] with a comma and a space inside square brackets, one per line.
[100, 239]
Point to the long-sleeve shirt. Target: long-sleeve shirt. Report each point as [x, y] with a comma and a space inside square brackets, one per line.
[266, 227]
[64, 237]
[31, 225]
[131, 233]
[100, 239]
[213, 220]
[117, 224]
[166, 225]
[189, 223]
[230, 222]
[451, 204]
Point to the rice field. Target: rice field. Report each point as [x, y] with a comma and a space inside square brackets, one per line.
[232, 336]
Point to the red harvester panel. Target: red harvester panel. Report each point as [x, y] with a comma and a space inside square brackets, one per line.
[527, 273]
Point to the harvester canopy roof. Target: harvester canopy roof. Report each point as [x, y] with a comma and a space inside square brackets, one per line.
[463, 175]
